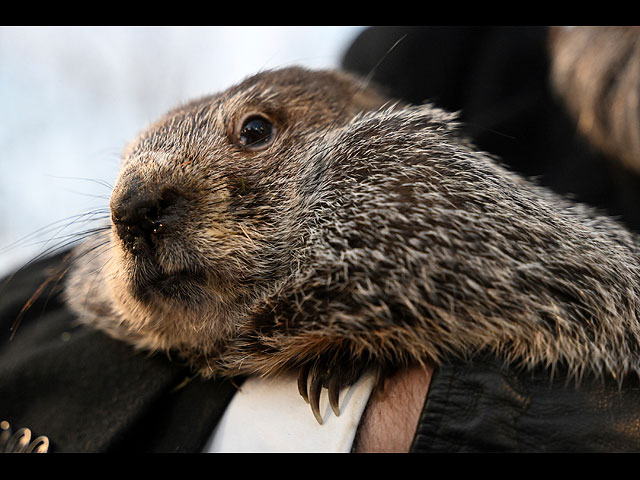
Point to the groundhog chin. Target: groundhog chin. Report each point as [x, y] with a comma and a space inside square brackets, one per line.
[178, 311]
[180, 289]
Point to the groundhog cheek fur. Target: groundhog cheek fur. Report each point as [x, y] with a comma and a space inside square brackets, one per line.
[366, 233]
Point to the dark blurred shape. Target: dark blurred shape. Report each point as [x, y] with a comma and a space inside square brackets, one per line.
[596, 70]
[499, 79]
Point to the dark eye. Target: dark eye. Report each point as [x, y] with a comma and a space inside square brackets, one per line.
[256, 132]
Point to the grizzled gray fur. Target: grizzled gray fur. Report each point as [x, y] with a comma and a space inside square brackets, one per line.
[355, 232]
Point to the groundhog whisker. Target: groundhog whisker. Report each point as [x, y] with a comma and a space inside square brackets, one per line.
[97, 181]
[68, 221]
[71, 239]
[56, 277]
[72, 236]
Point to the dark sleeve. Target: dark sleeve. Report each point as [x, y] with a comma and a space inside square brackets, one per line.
[87, 392]
[497, 77]
[481, 406]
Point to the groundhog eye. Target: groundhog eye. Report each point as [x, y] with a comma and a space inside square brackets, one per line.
[256, 133]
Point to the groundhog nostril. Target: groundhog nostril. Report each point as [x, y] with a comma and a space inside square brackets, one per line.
[139, 217]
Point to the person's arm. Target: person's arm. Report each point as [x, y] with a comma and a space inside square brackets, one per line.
[390, 420]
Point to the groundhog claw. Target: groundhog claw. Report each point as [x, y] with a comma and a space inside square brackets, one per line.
[314, 397]
[303, 376]
[311, 393]
[334, 394]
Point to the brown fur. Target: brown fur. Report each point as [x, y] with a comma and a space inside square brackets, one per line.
[365, 234]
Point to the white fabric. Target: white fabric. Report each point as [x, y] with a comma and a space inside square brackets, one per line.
[269, 415]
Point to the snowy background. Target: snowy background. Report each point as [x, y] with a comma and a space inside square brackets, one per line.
[71, 97]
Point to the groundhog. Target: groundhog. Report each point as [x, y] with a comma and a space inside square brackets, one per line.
[301, 220]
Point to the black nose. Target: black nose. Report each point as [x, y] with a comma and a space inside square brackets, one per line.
[142, 215]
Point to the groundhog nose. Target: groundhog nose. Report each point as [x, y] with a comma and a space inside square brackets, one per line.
[141, 215]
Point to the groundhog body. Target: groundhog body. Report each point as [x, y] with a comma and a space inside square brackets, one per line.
[300, 220]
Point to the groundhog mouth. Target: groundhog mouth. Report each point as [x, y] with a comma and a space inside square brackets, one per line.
[183, 288]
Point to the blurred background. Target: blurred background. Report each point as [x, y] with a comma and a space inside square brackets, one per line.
[71, 97]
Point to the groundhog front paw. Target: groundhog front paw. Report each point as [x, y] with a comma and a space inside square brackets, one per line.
[313, 377]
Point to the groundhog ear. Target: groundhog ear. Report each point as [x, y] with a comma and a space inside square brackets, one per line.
[368, 99]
